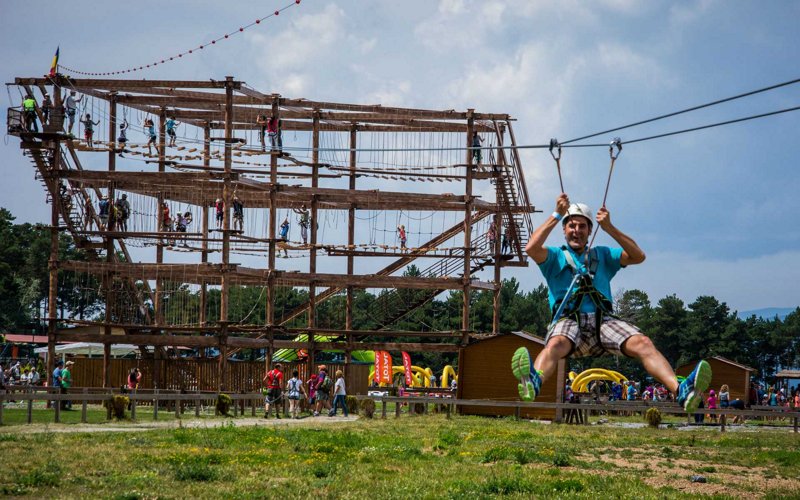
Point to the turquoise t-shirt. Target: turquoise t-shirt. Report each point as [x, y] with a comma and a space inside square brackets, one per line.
[558, 273]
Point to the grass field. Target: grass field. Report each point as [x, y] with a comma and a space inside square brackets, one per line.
[411, 457]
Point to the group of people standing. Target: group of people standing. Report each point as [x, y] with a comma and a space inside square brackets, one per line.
[322, 391]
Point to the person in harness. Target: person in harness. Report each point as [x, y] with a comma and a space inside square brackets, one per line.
[579, 283]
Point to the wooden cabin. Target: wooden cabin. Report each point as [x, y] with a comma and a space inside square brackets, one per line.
[484, 372]
[725, 371]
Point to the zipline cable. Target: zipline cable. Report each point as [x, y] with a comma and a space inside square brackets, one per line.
[694, 108]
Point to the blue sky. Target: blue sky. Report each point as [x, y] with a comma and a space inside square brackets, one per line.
[714, 210]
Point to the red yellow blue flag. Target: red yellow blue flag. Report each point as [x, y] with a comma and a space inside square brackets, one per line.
[54, 66]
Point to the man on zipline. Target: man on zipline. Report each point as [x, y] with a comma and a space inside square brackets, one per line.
[579, 283]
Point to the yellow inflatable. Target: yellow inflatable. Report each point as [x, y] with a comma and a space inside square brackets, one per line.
[421, 377]
[580, 383]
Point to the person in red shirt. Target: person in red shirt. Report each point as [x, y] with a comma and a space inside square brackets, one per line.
[274, 381]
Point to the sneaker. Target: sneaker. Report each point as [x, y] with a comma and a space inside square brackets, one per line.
[277, 415]
[316, 414]
[690, 392]
[266, 415]
[530, 383]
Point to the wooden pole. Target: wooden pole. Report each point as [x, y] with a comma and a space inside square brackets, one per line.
[272, 251]
[52, 292]
[159, 303]
[467, 289]
[226, 236]
[351, 237]
[204, 243]
[108, 278]
[312, 265]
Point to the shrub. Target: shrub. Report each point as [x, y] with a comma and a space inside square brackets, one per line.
[368, 407]
[118, 405]
[224, 404]
[352, 404]
[653, 417]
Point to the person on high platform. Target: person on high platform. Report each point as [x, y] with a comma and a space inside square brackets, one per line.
[170, 125]
[150, 130]
[46, 107]
[477, 140]
[261, 121]
[579, 283]
[88, 129]
[29, 114]
[71, 106]
[238, 213]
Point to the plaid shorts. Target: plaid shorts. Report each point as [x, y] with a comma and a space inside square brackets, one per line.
[585, 342]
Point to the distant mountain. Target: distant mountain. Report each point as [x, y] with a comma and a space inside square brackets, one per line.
[767, 313]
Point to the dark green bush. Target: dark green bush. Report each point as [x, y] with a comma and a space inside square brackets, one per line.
[224, 404]
[653, 417]
[368, 407]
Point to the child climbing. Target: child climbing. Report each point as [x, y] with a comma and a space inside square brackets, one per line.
[284, 235]
[238, 213]
[401, 234]
[165, 218]
[171, 124]
[123, 137]
[88, 129]
[304, 221]
[150, 130]
[219, 208]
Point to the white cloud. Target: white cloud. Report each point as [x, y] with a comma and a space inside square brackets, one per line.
[450, 7]
[307, 39]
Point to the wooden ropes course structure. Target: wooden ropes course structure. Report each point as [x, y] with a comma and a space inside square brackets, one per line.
[191, 198]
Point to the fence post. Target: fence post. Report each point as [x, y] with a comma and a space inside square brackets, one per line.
[235, 407]
[253, 406]
[30, 410]
[383, 408]
[57, 413]
[109, 404]
[2, 404]
[133, 405]
[722, 420]
[155, 404]
[517, 410]
[83, 405]
[178, 403]
[197, 404]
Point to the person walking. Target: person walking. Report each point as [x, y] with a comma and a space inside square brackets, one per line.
[323, 390]
[66, 383]
[579, 284]
[274, 382]
[339, 395]
[294, 389]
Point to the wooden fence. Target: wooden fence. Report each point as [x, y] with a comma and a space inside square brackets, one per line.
[202, 374]
[446, 405]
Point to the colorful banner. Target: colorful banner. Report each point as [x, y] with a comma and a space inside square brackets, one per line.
[383, 367]
[54, 65]
[407, 368]
[378, 366]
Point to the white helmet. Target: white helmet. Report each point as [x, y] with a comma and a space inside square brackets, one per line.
[579, 209]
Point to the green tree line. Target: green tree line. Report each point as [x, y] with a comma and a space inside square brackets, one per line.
[703, 328]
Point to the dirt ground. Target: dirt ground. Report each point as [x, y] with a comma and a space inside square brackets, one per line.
[192, 423]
